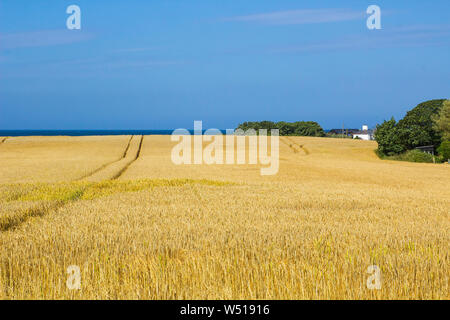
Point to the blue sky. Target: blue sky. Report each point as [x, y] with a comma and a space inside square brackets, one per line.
[163, 64]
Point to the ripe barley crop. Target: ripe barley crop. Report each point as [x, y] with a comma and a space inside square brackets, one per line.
[161, 231]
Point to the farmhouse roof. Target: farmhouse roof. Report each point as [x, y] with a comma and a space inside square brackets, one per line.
[431, 147]
[363, 132]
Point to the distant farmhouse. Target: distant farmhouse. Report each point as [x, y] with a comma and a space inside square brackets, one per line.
[364, 134]
[343, 132]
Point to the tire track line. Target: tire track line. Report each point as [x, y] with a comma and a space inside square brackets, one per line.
[306, 151]
[127, 148]
[109, 163]
[290, 145]
[138, 153]
[22, 216]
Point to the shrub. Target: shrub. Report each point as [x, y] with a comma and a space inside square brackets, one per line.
[444, 150]
[416, 156]
[411, 156]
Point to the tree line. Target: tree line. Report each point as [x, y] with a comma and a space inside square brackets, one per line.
[425, 125]
[298, 128]
[428, 124]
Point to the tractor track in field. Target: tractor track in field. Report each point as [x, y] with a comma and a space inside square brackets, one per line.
[41, 210]
[138, 153]
[301, 146]
[294, 145]
[290, 145]
[22, 216]
[108, 163]
[127, 148]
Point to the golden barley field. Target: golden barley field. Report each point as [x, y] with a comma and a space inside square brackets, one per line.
[140, 227]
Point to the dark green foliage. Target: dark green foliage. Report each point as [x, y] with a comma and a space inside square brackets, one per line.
[442, 121]
[415, 129]
[444, 150]
[411, 156]
[387, 137]
[299, 128]
[417, 156]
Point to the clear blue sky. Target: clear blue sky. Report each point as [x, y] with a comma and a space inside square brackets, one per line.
[163, 64]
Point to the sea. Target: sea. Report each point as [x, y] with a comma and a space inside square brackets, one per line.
[77, 133]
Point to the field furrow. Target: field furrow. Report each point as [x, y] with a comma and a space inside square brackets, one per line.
[55, 159]
[102, 167]
[115, 169]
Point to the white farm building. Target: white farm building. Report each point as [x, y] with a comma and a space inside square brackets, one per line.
[364, 134]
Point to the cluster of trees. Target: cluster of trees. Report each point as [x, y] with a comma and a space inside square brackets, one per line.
[427, 124]
[299, 128]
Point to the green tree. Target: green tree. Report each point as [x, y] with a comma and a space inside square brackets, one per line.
[286, 128]
[442, 121]
[308, 128]
[388, 139]
[417, 127]
[444, 150]
[299, 128]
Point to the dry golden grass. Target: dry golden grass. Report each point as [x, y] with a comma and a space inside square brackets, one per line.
[114, 170]
[54, 159]
[160, 231]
